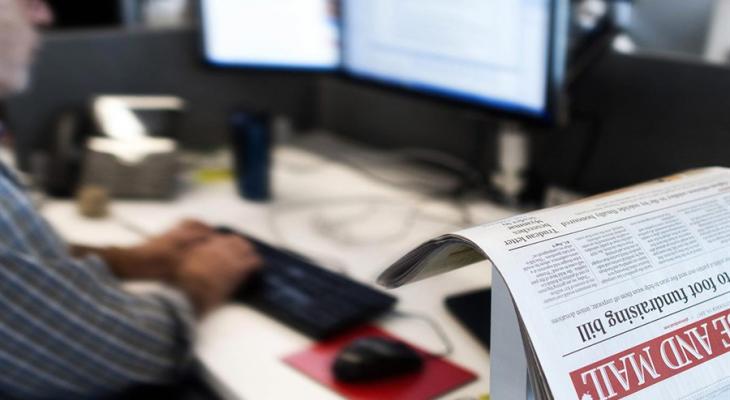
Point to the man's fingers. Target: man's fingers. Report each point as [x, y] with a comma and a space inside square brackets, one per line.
[235, 244]
[195, 225]
[252, 263]
[189, 232]
[212, 271]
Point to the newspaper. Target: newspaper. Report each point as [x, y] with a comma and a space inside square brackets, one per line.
[623, 295]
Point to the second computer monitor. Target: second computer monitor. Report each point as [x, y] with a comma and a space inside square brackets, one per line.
[278, 34]
[501, 54]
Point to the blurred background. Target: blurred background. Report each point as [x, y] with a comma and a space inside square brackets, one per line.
[647, 74]
[352, 131]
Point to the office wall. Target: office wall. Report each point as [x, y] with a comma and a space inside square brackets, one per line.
[75, 65]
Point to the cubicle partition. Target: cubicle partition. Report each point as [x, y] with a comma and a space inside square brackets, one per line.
[74, 65]
[633, 117]
[637, 117]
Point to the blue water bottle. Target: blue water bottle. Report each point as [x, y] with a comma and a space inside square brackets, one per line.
[251, 139]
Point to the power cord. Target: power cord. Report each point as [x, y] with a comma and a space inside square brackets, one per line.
[272, 221]
[336, 231]
[469, 176]
[466, 174]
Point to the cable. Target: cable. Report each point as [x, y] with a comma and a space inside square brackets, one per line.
[467, 174]
[422, 187]
[337, 264]
[337, 231]
[470, 174]
[435, 327]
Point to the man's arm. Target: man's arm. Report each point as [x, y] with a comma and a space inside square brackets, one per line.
[68, 330]
[156, 259]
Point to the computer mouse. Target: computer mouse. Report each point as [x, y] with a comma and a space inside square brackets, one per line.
[374, 358]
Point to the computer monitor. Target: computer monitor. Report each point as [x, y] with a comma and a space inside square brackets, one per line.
[279, 34]
[506, 55]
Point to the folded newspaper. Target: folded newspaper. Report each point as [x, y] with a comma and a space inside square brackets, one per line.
[622, 295]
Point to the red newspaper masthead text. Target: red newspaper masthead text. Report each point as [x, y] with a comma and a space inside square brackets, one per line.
[653, 361]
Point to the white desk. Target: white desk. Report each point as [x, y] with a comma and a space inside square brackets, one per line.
[243, 348]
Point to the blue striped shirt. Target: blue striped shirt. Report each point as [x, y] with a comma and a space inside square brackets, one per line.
[67, 327]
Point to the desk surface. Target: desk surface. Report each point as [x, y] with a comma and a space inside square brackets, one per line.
[326, 210]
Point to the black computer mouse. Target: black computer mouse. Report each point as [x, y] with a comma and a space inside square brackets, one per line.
[374, 358]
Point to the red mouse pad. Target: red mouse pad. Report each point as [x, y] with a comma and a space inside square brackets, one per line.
[437, 377]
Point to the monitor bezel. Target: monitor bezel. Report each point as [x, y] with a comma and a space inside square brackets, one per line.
[554, 110]
[261, 67]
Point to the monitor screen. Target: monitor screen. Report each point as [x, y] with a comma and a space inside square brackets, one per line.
[296, 34]
[494, 53]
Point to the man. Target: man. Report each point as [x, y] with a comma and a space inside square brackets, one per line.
[67, 328]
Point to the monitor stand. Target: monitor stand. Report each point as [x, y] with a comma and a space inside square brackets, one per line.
[473, 309]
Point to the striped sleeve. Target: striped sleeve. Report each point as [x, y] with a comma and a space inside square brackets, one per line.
[69, 330]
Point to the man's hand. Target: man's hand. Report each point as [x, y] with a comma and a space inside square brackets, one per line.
[160, 257]
[157, 259]
[208, 266]
[213, 270]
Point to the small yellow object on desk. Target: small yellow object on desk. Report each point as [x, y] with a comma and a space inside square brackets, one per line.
[213, 175]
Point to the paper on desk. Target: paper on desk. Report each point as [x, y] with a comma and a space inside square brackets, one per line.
[621, 295]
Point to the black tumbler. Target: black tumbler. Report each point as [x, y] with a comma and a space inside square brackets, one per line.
[251, 137]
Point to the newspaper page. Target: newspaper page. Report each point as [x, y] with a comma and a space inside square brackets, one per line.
[625, 295]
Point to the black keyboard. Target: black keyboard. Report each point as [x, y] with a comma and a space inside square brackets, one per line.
[308, 298]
